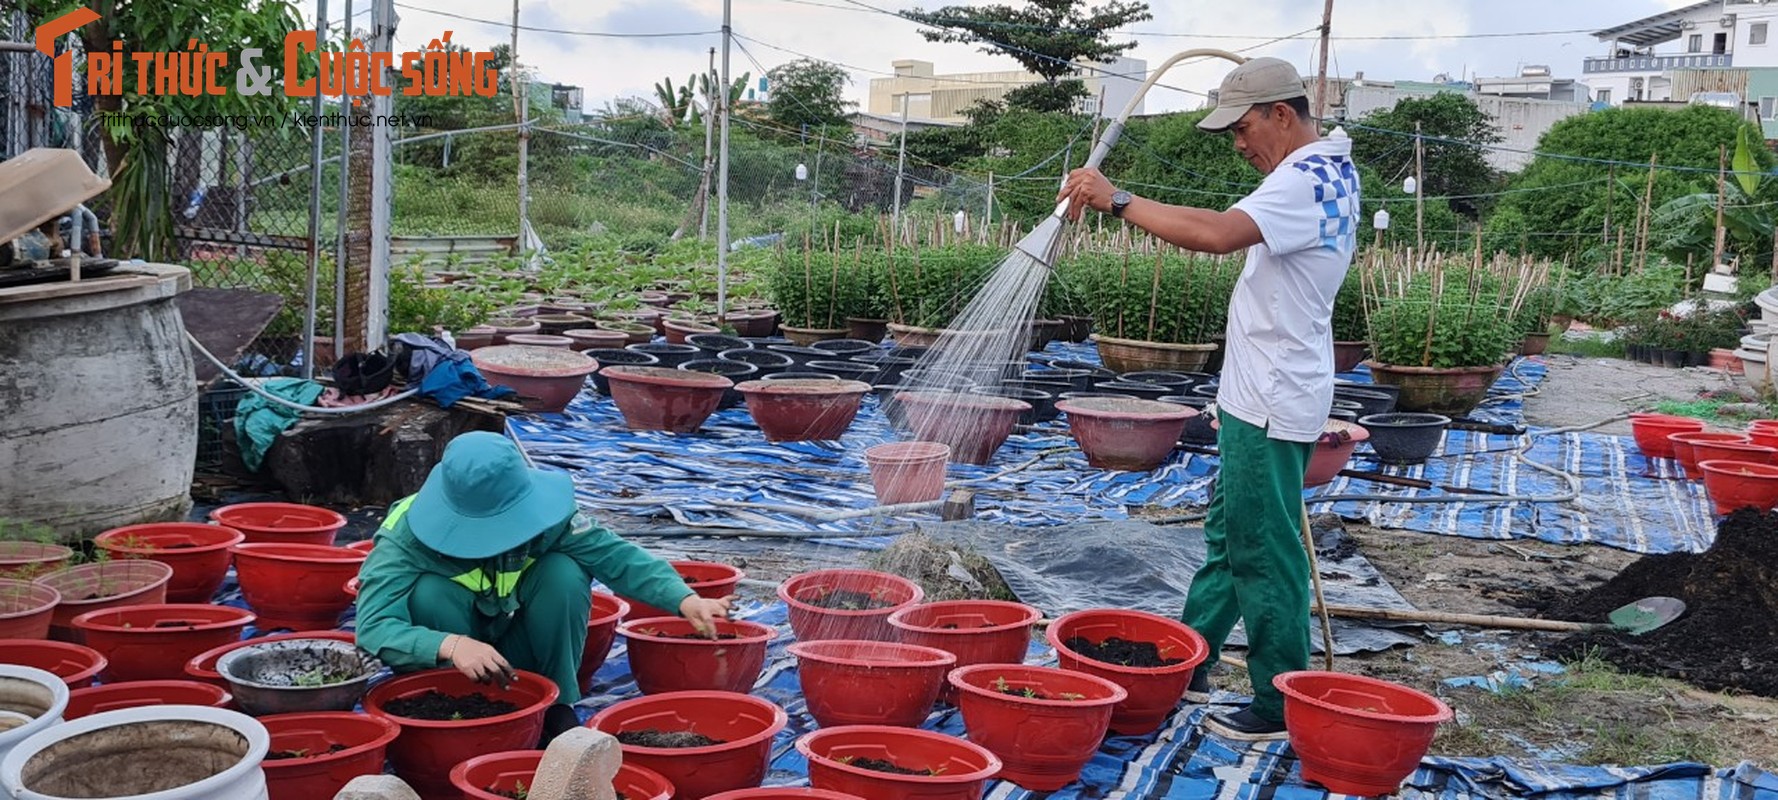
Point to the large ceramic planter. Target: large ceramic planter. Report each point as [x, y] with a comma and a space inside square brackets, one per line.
[796, 410]
[584, 339]
[1044, 331]
[125, 754]
[1045, 724]
[202, 667]
[742, 724]
[1135, 355]
[506, 327]
[1125, 433]
[667, 654]
[867, 329]
[1534, 344]
[31, 702]
[678, 329]
[846, 603]
[601, 633]
[1452, 392]
[198, 553]
[1356, 735]
[285, 523]
[147, 643]
[803, 337]
[847, 682]
[296, 586]
[705, 578]
[1154, 691]
[1732, 485]
[911, 336]
[975, 631]
[137, 694]
[111, 584]
[973, 426]
[26, 608]
[754, 324]
[949, 768]
[907, 472]
[75, 664]
[1332, 451]
[426, 750]
[634, 332]
[313, 756]
[498, 776]
[1075, 328]
[546, 378]
[661, 399]
[541, 340]
[1348, 355]
[1404, 438]
[27, 560]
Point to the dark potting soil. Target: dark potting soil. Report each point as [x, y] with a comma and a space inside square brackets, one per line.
[847, 600]
[1122, 652]
[692, 635]
[877, 765]
[1033, 694]
[181, 546]
[951, 626]
[174, 623]
[1728, 637]
[278, 754]
[438, 706]
[654, 737]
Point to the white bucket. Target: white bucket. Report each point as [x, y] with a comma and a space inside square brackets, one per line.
[36, 696]
[172, 752]
[1768, 305]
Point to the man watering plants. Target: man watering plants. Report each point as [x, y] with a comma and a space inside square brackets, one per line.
[1299, 229]
[488, 569]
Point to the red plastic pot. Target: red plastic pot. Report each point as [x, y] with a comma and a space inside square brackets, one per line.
[1125, 433]
[849, 682]
[975, 631]
[288, 523]
[363, 739]
[135, 694]
[1043, 742]
[479, 777]
[803, 410]
[111, 584]
[811, 622]
[198, 553]
[1357, 735]
[1651, 430]
[546, 378]
[661, 399]
[908, 472]
[146, 643]
[963, 768]
[1733, 451]
[1331, 457]
[973, 426]
[601, 632]
[427, 750]
[27, 560]
[743, 723]
[1688, 459]
[705, 578]
[1153, 691]
[663, 662]
[296, 586]
[26, 608]
[75, 664]
[783, 793]
[202, 667]
[364, 546]
[1740, 484]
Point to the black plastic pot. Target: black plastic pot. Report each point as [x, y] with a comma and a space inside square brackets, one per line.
[1369, 402]
[889, 368]
[845, 348]
[670, 355]
[845, 370]
[768, 362]
[1348, 405]
[1086, 365]
[716, 343]
[1078, 380]
[799, 354]
[733, 370]
[1037, 399]
[936, 379]
[800, 375]
[1146, 391]
[1160, 378]
[1197, 429]
[1055, 389]
[1343, 415]
[613, 357]
[1393, 391]
[1404, 438]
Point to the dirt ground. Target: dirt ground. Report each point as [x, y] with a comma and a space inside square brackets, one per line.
[1581, 391]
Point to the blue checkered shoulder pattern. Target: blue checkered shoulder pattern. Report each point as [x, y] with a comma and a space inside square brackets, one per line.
[1336, 189]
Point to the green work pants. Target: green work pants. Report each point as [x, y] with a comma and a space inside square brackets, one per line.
[546, 636]
[1257, 570]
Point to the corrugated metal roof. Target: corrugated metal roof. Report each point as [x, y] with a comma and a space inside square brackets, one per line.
[1656, 29]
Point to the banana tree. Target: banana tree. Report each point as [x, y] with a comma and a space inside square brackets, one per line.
[1685, 227]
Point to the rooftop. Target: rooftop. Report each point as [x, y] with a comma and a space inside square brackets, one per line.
[1658, 29]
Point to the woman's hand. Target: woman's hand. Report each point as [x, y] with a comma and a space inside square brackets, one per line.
[478, 661]
[703, 612]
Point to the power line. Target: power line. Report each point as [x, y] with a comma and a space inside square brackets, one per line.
[597, 34]
[1540, 154]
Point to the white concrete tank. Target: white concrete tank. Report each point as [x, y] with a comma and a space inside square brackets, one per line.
[98, 401]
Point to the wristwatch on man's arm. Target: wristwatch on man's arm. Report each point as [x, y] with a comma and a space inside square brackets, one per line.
[1120, 200]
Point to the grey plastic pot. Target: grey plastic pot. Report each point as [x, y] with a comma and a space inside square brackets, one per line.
[1370, 402]
[1405, 438]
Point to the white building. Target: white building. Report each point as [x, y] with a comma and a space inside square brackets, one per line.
[943, 97]
[1640, 56]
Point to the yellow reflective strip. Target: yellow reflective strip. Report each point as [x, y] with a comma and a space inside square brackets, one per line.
[396, 512]
[504, 582]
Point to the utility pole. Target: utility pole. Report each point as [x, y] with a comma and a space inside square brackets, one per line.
[522, 108]
[710, 89]
[900, 165]
[1610, 195]
[1321, 92]
[722, 170]
[340, 255]
[315, 157]
[1419, 192]
[1722, 166]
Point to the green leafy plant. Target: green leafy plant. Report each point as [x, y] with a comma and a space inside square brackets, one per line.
[1170, 298]
[1350, 322]
[1445, 315]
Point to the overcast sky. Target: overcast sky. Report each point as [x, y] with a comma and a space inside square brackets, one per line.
[866, 41]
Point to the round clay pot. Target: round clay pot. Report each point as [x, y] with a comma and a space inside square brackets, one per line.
[1037, 399]
[620, 357]
[808, 336]
[540, 340]
[705, 578]
[1651, 431]
[546, 378]
[714, 344]
[889, 366]
[556, 324]
[753, 322]
[475, 337]
[1731, 485]
[129, 753]
[1404, 438]
[1135, 355]
[973, 426]
[800, 355]
[975, 631]
[1331, 457]
[480, 777]
[1534, 344]
[678, 329]
[202, 667]
[506, 327]
[842, 349]
[1450, 392]
[634, 332]
[1154, 691]
[867, 330]
[1369, 402]
[1075, 328]
[766, 362]
[660, 399]
[1348, 355]
[1125, 433]
[1357, 735]
[908, 472]
[198, 553]
[1044, 331]
[795, 411]
[584, 339]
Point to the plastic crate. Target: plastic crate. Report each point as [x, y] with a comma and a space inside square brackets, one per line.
[216, 419]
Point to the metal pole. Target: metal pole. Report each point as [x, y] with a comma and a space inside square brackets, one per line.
[900, 165]
[521, 109]
[709, 130]
[988, 215]
[722, 170]
[1419, 192]
[339, 233]
[382, 186]
[815, 185]
[1321, 91]
[315, 156]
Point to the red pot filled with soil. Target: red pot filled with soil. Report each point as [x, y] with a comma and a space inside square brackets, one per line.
[975, 631]
[26, 609]
[283, 523]
[1043, 723]
[1150, 656]
[1739, 484]
[662, 399]
[546, 378]
[110, 584]
[849, 682]
[447, 719]
[803, 410]
[667, 654]
[198, 554]
[1125, 433]
[135, 694]
[973, 426]
[1357, 735]
[27, 560]
[1688, 459]
[315, 754]
[1338, 439]
[497, 776]
[846, 603]
[202, 667]
[75, 664]
[147, 643]
[702, 742]
[601, 632]
[783, 793]
[296, 586]
[705, 578]
[908, 472]
[1651, 431]
[880, 762]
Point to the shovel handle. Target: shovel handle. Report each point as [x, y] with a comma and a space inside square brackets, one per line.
[1473, 620]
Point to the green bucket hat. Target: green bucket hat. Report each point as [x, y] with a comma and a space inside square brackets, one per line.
[482, 500]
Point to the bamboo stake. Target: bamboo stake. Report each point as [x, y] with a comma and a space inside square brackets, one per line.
[1643, 214]
[808, 283]
[1123, 286]
[1154, 295]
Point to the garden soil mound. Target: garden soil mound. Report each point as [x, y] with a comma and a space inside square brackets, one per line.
[1728, 636]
